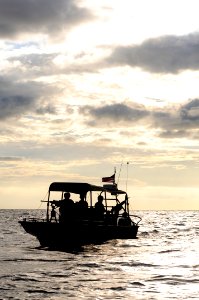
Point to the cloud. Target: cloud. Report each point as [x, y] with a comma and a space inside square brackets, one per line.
[172, 122]
[34, 60]
[173, 134]
[14, 105]
[46, 109]
[18, 98]
[10, 158]
[115, 113]
[178, 122]
[190, 111]
[166, 54]
[178, 119]
[34, 65]
[31, 66]
[39, 16]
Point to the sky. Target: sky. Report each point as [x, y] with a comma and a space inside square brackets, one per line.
[88, 86]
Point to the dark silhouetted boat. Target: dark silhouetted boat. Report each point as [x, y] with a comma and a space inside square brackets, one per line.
[83, 222]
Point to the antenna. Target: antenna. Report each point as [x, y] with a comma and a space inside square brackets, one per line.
[127, 174]
[120, 172]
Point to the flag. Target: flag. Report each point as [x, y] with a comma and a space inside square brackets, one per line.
[109, 179]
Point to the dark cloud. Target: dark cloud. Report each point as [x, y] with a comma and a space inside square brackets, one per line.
[167, 54]
[190, 111]
[10, 158]
[14, 106]
[39, 16]
[18, 98]
[171, 122]
[115, 113]
[165, 118]
[179, 122]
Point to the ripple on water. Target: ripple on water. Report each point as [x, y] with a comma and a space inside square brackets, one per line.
[161, 264]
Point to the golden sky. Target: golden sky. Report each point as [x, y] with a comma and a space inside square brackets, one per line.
[87, 86]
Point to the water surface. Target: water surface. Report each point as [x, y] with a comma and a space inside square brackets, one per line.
[162, 263]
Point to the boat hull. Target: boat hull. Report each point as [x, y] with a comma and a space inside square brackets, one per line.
[64, 235]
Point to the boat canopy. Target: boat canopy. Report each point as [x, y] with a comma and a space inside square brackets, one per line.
[81, 188]
[74, 187]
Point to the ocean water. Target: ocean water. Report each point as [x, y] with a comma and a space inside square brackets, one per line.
[162, 263]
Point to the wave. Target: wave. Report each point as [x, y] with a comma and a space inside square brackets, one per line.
[169, 251]
[40, 291]
[174, 279]
[35, 260]
[137, 283]
[138, 264]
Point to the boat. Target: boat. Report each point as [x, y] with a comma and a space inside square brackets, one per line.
[79, 225]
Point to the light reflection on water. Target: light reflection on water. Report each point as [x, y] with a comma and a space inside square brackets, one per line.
[161, 264]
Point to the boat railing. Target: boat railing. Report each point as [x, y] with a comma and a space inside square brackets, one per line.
[135, 216]
[32, 219]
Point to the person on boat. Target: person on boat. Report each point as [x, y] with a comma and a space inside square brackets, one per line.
[116, 209]
[81, 207]
[82, 204]
[53, 213]
[124, 220]
[99, 207]
[66, 208]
